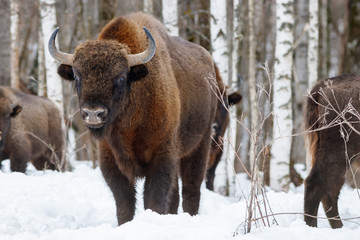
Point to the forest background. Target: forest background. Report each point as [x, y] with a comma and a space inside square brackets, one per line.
[246, 56]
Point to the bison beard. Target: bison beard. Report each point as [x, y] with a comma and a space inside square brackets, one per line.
[157, 110]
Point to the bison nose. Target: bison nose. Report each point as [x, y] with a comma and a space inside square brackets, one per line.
[94, 116]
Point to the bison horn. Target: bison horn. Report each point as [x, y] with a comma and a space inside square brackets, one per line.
[62, 58]
[145, 56]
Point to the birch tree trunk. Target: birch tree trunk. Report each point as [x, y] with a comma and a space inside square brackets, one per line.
[231, 81]
[170, 16]
[224, 180]
[282, 110]
[312, 54]
[252, 89]
[15, 45]
[323, 39]
[53, 80]
[148, 6]
[54, 86]
[313, 43]
[41, 65]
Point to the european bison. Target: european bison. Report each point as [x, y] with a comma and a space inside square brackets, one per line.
[219, 126]
[29, 125]
[150, 109]
[332, 118]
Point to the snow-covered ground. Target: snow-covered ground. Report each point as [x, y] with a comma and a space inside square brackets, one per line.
[78, 205]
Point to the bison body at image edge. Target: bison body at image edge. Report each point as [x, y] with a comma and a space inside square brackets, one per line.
[30, 131]
[333, 124]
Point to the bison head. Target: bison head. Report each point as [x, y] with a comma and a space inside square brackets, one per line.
[103, 71]
[7, 111]
[221, 119]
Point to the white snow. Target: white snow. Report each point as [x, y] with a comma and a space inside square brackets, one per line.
[79, 205]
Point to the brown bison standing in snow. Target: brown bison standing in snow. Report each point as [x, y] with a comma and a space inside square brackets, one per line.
[30, 131]
[333, 120]
[147, 97]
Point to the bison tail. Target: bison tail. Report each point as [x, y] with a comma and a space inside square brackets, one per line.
[312, 122]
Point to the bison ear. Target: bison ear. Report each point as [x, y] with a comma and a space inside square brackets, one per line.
[66, 72]
[16, 109]
[138, 72]
[234, 98]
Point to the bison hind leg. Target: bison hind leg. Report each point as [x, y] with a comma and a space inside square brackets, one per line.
[330, 204]
[324, 184]
[193, 170]
[312, 197]
[335, 182]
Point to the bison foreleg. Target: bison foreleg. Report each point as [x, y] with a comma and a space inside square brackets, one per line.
[122, 189]
[160, 185]
[174, 198]
[19, 160]
[43, 162]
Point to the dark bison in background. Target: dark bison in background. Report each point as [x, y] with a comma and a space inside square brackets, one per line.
[219, 126]
[28, 126]
[333, 120]
[147, 97]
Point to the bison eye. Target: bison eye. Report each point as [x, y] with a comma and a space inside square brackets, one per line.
[214, 129]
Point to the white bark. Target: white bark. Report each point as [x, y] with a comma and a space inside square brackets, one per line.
[312, 54]
[230, 155]
[225, 171]
[148, 6]
[170, 16]
[53, 80]
[14, 33]
[252, 89]
[41, 66]
[323, 47]
[313, 43]
[282, 110]
[54, 86]
[236, 37]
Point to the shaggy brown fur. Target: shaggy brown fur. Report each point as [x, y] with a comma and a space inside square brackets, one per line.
[219, 126]
[327, 146]
[156, 117]
[22, 115]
